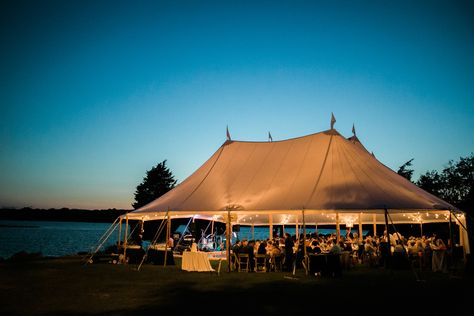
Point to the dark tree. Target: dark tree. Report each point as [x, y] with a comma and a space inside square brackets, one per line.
[405, 170]
[157, 182]
[455, 184]
[432, 182]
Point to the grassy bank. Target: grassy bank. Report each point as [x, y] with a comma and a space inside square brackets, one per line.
[65, 286]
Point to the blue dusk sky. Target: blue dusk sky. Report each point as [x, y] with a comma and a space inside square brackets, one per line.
[94, 93]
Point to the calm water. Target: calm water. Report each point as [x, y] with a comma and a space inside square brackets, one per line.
[50, 238]
[68, 238]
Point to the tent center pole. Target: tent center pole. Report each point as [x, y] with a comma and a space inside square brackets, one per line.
[270, 221]
[374, 219]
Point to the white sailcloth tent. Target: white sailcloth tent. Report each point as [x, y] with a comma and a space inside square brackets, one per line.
[324, 177]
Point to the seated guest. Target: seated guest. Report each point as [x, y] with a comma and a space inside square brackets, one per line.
[262, 248]
[274, 253]
[335, 249]
[398, 246]
[309, 249]
[346, 246]
[236, 247]
[412, 249]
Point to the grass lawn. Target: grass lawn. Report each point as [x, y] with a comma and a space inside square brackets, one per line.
[65, 286]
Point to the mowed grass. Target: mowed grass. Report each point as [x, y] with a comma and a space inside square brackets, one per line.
[66, 286]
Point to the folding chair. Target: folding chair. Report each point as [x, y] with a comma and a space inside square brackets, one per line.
[260, 263]
[234, 262]
[243, 262]
[276, 263]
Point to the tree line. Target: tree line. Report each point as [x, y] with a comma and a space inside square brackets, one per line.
[62, 214]
[454, 183]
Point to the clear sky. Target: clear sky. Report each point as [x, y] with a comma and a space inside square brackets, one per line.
[94, 93]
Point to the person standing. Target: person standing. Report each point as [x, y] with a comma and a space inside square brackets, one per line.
[289, 244]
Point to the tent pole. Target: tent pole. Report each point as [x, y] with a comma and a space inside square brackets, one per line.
[338, 228]
[125, 240]
[421, 228]
[451, 237]
[227, 240]
[304, 244]
[389, 254]
[213, 235]
[119, 233]
[253, 232]
[270, 221]
[297, 229]
[168, 229]
[360, 227]
[465, 236]
[374, 219]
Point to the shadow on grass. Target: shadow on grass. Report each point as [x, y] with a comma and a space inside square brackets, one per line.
[64, 286]
[356, 292]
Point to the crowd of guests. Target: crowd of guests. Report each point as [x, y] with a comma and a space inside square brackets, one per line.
[429, 253]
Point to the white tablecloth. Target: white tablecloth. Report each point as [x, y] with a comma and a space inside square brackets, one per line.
[196, 261]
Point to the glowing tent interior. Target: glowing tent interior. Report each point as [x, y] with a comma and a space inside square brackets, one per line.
[322, 178]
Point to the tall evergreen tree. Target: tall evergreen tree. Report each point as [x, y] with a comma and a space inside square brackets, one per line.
[158, 181]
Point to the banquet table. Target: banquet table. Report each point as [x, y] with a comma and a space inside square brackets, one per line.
[196, 261]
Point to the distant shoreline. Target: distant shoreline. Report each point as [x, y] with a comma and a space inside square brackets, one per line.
[63, 215]
[21, 226]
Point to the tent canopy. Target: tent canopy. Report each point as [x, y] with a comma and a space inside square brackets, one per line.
[322, 174]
